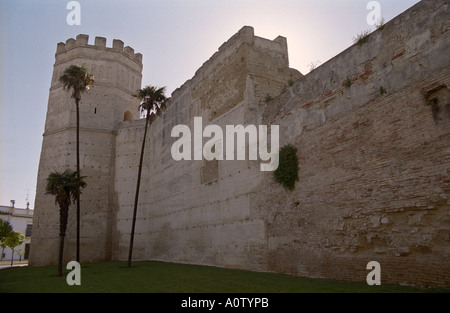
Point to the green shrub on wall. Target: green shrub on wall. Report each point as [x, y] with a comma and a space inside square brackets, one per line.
[287, 172]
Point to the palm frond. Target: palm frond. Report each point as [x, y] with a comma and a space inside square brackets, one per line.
[77, 79]
[64, 185]
[152, 99]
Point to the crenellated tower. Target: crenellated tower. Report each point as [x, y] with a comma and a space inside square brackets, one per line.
[118, 74]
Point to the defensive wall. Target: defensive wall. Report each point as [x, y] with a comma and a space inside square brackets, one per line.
[199, 211]
[372, 131]
[371, 128]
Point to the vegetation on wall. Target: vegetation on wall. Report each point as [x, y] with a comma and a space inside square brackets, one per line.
[348, 82]
[362, 38]
[268, 98]
[380, 24]
[287, 172]
[314, 65]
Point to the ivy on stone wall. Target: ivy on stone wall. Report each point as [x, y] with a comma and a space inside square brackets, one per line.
[287, 172]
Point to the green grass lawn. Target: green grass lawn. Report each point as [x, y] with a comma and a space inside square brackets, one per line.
[160, 277]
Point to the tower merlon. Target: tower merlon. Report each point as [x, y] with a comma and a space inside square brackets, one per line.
[118, 44]
[82, 40]
[278, 44]
[100, 42]
[138, 57]
[60, 48]
[128, 50]
[70, 43]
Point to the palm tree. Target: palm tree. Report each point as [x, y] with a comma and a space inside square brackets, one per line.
[78, 80]
[152, 102]
[67, 188]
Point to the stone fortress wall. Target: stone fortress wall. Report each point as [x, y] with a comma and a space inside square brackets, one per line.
[374, 159]
[371, 127]
[199, 211]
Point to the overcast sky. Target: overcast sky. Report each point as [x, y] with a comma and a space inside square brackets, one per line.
[175, 38]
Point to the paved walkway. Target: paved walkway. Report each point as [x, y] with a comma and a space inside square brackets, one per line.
[2, 267]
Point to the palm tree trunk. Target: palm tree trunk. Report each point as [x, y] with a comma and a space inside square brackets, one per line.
[60, 257]
[78, 177]
[138, 185]
[63, 215]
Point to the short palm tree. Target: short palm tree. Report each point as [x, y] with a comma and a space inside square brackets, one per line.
[67, 188]
[152, 103]
[78, 80]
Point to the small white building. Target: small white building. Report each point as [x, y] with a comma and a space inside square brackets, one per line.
[21, 221]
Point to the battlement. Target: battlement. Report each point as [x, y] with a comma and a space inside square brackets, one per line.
[117, 65]
[245, 35]
[99, 43]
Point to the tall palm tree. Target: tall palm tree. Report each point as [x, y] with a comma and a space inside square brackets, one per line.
[78, 80]
[152, 103]
[67, 188]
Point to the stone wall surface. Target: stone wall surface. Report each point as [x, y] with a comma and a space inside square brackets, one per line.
[371, 128]
[198, 211]
[374, 159]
